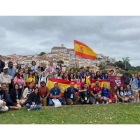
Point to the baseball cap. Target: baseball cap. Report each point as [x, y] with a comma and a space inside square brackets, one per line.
[42, 82]
[5, 68]
[55, 83]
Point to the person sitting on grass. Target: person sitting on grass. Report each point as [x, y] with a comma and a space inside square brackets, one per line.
[96, 93]
[70, 97]
[55, 93]
[121, 96]
[85, 95]
[129, 93]
[3, 106]
[27, 92]
[113, 94]
[33, 102]
[15, 95]
[105, 94]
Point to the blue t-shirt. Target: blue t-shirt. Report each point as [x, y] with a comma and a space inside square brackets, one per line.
[82, 74]
[54, 91]
[106, 78]
[105, 92]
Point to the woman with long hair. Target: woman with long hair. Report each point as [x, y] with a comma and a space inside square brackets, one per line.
[15, 95]
[27, 92]
[121, 96]
[65, 76]
[106, 77]
[78, 77]
[36, 79]
[33, 102]
[30, 78]
[71, 77]
[19, 79]
[18, 68]
[113, 94]
[60, 75]
[98, 75]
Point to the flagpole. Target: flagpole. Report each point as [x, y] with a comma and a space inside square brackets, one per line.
[75, 58]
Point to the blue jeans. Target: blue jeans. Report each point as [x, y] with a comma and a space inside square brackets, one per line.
[51, 102]
[34, 108]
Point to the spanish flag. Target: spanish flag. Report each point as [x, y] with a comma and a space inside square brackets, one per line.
[84, 51]
[63, 84]
[101, 83]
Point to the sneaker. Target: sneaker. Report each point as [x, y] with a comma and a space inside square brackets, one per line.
[103, 102]
[106, 102]
[97, 103]
[28, 109]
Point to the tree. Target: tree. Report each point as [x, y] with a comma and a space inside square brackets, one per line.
[42, 53]
[61, 61]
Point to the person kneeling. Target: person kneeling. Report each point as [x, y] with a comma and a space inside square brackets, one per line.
[105, 94]
[55, 93]
[33, 102]
[85, 95]
[15, 95]
[70, 95]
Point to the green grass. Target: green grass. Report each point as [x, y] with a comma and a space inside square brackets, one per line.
[91, 114]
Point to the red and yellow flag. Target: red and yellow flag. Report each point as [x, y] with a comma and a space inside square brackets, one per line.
[63, 84]
[84, 51]
[101, 83]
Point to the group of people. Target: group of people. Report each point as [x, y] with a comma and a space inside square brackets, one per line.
[29, 86]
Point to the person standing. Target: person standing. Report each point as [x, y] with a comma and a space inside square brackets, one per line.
[102, 73]
[30, 78]
[134, 86]
[51, 68]
[55, 93]
[39, 71]
[11, 72]
[117, 72]
[44, 67]
[24, 76]
[5, 78]
[18, 68]
[127, 77]
[19, 79]
[3, 106]
[2, 64]
[34, 67]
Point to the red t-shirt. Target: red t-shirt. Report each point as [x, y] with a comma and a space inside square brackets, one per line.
[96, 89]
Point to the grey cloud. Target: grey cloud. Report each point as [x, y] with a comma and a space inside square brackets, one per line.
[116, 37]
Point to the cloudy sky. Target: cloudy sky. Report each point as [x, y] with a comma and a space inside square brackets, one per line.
[116, 37]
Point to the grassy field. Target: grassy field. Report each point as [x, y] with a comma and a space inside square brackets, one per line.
[90, 114]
